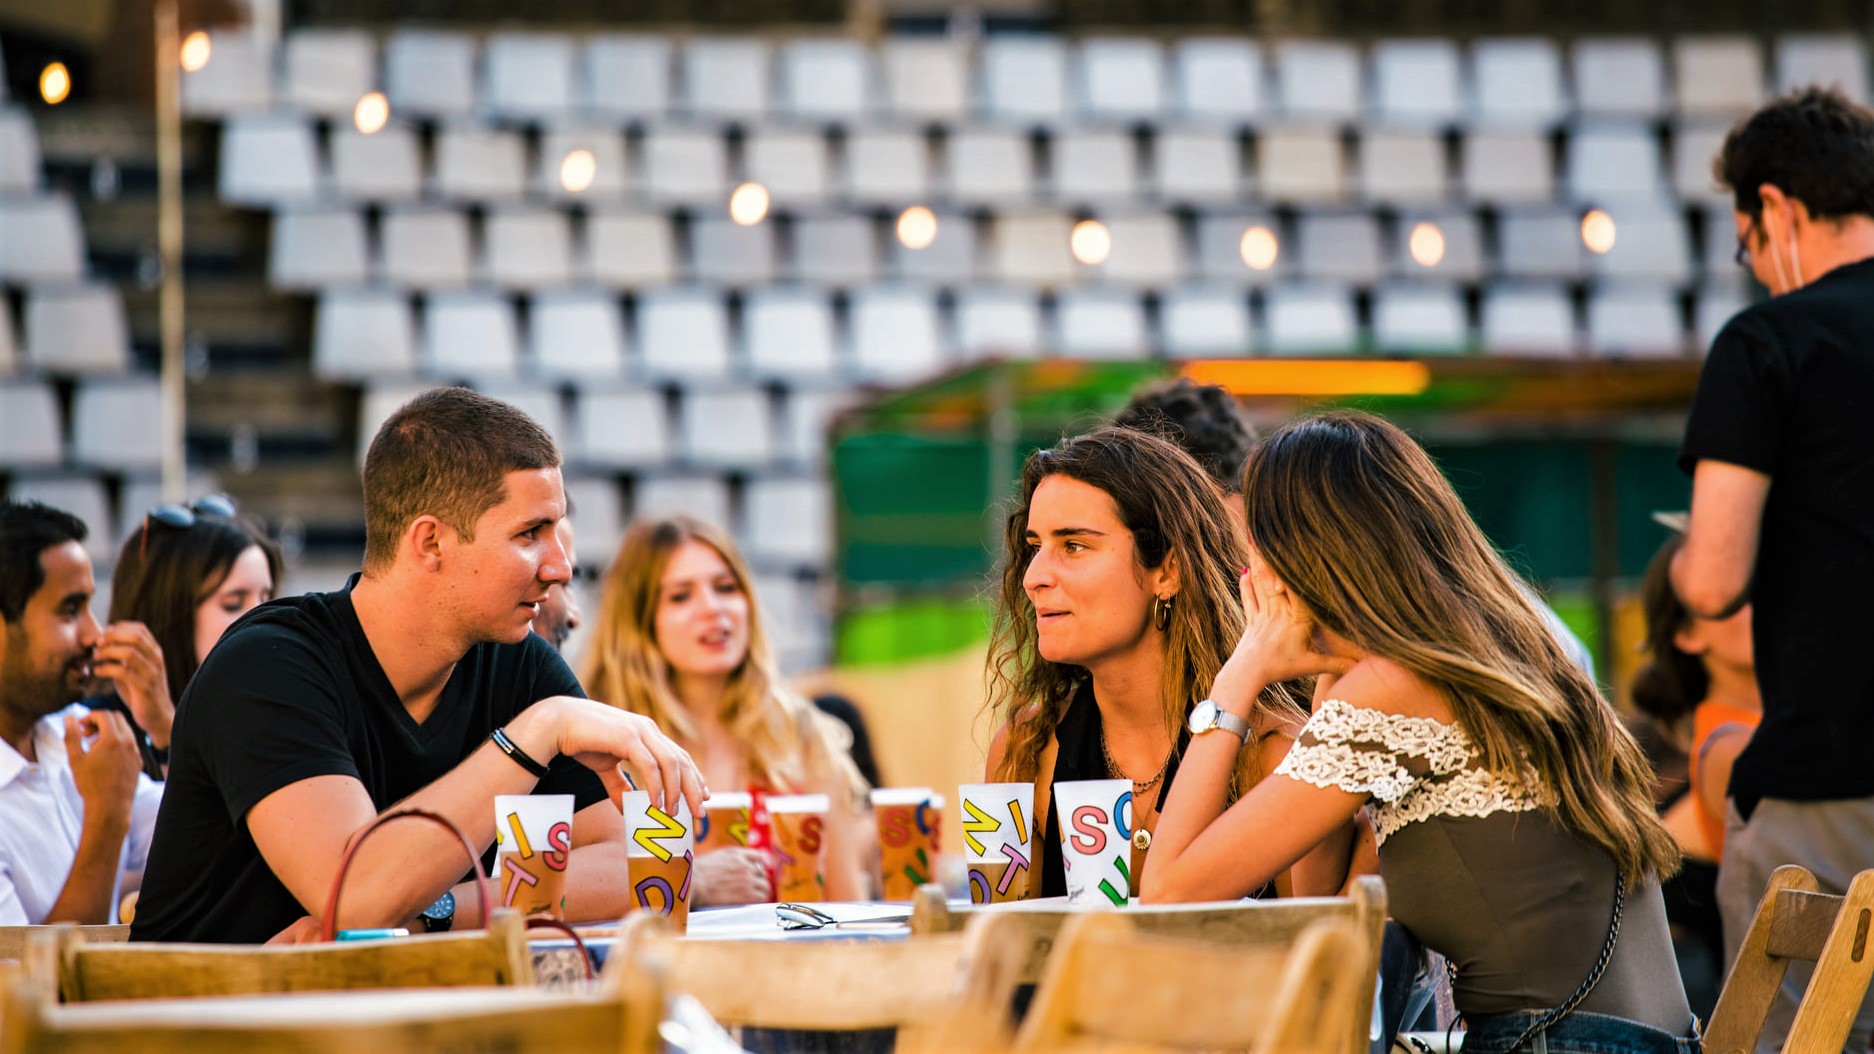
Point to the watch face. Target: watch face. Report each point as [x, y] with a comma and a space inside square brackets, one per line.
[444, 908]
[1203, 716]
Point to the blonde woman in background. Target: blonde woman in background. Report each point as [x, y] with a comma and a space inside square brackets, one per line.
[678, 639]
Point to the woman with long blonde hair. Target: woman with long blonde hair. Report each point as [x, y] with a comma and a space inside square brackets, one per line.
[680, 640]
[1117, 607]
[1513, 810]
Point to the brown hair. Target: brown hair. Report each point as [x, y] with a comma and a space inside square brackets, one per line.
[184, 566]
[447, 454]
[1672, 683]
[1171, 506]
[789, 742]
[1363, 529]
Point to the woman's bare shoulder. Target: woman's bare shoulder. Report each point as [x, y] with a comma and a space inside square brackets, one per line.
[1376, 683]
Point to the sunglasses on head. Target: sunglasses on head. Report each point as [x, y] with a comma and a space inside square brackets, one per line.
[183, 517]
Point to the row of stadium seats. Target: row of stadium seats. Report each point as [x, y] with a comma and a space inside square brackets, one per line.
[527, 248]
[1017, 79]
[897, 334]
[282, 159]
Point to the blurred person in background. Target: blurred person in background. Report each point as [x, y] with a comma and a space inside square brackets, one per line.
[1780, 447]
[679, 638]
[183, 577]
[1517, 834]
[75, 811]
[1699, 683]
[1116, 609]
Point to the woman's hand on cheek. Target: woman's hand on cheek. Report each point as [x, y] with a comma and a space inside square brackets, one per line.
[1278, 638]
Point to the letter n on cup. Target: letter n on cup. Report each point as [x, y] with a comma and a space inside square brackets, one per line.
[998, 840]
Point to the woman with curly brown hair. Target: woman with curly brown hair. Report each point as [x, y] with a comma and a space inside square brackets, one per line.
[1117, 607]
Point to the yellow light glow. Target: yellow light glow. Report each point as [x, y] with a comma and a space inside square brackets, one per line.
[1597, 231]
[577, 171]
[1259, 248]
[196, 51]
[55, 83]
[917, 227]
[1427, 245]
[1091, 242]
[372, 113]
[1312, 376]
[749, 204]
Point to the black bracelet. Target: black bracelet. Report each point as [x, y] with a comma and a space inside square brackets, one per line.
[508, 747]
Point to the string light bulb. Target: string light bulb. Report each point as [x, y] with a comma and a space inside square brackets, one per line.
[1259, 248]
[749, 204]
[577, 171]
[55, 83]
[1427, 245]
[372, 113]
[1598, 232]
[917, 227]
[197, 49]
[1091, 242]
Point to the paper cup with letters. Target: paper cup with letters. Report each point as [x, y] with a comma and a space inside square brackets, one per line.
[660, 850]
[1096, 840]
[799, 845]
[998, 840]
[725, 821]
[533, 839]
[908, 819]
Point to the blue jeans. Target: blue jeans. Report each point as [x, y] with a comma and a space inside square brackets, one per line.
[1578, 1033]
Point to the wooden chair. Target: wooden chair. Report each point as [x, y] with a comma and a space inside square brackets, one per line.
[1794, 922]
[63, 959]
[1243, 922]
[13, 939]
[945, 993]
[1110, 986]
[614, 1020]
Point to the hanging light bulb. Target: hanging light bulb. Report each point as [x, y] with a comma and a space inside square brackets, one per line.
[917, 227]
[197, 49]
[1427, 245]
[1598, 232]
[749, 204]
[1091, 242]
[372, 113]
[1259, 248]
[577, 171]
[55, 83]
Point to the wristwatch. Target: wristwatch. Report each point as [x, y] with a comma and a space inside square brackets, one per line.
[438, 917]
[1209, 717]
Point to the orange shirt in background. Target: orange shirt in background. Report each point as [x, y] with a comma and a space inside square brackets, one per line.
[1707, 719]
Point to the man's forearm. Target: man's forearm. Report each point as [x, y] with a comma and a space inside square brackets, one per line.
[86, 898]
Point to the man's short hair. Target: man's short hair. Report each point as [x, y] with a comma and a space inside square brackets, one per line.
[447, 454]
[1204, 419]
[1814, 145]
[28, 529]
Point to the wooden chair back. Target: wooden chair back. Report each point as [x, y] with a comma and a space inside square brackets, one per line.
[13, 939]
[1235, 923]
[1111, 986]
[519, 1020]
[80, 971]
[947, 993]
[1794, 922]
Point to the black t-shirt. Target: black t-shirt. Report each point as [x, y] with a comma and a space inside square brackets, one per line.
[294, 691]
[1788, 390]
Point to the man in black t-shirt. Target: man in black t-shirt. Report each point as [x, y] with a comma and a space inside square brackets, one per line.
[1780, 445]
[418, 684]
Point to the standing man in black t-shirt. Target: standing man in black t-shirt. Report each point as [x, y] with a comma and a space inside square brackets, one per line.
[1780, 445]
[419, 684]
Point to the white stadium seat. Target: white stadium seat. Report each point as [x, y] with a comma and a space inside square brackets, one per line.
[895, 335]
[723, 252]
[1310, 320]
[1516, 83]
[77, 329]
[987, 166]
[9, 342]
[1529, 320]
[1147, 250]
[726, 428]
[1220, 248]
[994, 320]
[117, 425]
[926, 79]
[611, 174]
[1341, 246]
[1717, 76]
[793, 165]
[950, 258]
[544, 404]
[470, 336]
[1319, 81]
[684, 166]
[1508, 167]
[704, 497]
[683, 333]
[1197, 166]
[19, 152]
[629, 250]
[31, 434]
[1693, 148]
[527, 248]
[622, 428]
[626, 77]
[424, 247]
[789, 520]
[1120, 79]
[1650, 242]
[84, 497]
[1096, 323]
[430, 73]
[317, 247]
[326, 71]
[1619, 77]
[596, 510]
[836, 250]
[1024, 79]
[1203, 322]
[790, 334]
[384, 166]
[887, 167]
[726, 78]
[1306, 166]
[1539, 243]
[1831, 61]
[806, 416]
[1608, 162]
[529, 76]
[267, 161]
[1417, 84]
[826, 79]
[1403, 168]
[1420, 319]
[360, 334]
[1219, 80]
[1635, 321]
[477, 163]
[576, 335]
[238, 78]
[1032, 248]
[1461, 237]
[40, 240]
[1101, 166]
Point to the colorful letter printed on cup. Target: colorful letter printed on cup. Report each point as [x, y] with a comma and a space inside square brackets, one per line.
[799, 845]
[533, 839]
[998, 839]
[1096, 840]
[908, 821]
[660, 849]
[724, 823]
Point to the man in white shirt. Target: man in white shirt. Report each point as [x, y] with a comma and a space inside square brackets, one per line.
[75, 809]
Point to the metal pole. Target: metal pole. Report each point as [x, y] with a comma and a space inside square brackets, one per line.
[169, 243]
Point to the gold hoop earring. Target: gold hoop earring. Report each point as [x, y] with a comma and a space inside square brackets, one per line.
[1161, 612]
